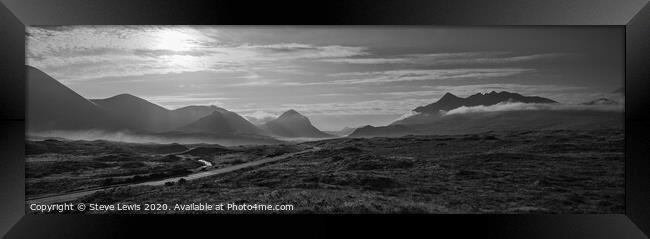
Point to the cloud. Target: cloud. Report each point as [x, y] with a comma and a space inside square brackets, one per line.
[418, 75]
[364, 107]
[296, 50]
[64, 40]
[407, 94]
[332, 94]
[509, 106]
[97, 52]
[562, 93]
[380, 77]
[475, 88]
[260, 116]
[92, 52]
[369, 107]
[369, 60]
[406, 115]
[460, 58]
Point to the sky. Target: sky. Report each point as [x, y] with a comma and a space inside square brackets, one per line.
[337, 76]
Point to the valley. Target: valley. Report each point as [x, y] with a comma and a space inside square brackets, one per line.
[546, 171]
[56, 167]
[496, 152]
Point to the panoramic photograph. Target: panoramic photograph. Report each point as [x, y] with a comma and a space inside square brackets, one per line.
[324, 119]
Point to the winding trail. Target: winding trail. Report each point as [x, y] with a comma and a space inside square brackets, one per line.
[201, 174]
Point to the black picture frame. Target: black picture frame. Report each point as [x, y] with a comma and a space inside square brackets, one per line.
[634, 16]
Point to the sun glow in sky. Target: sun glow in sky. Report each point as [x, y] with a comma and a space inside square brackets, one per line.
[337, 76]
[174, 40]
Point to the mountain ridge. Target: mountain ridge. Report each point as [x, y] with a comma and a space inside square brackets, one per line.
[136, 113]
[53, 106]
[450, 101]
[601, 101]
[292, 124]
[428, 122]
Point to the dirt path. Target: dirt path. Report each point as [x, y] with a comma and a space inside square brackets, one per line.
[201, 174]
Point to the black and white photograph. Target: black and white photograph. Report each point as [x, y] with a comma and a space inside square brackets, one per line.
[325, 119]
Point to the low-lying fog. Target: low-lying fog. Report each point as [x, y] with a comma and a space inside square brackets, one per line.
[515, 106]
[130, 137]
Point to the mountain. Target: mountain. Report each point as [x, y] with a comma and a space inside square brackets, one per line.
[429, 113]
[343, 132]
[471, 123]
[53, 106]
[601, 101]
[136, 113]
[382, 131]
[292, 124]
[140, 114]
[428, 120]
[221, 122]
[54, 110]
[188, 114]
[450, 101]
[196, 111]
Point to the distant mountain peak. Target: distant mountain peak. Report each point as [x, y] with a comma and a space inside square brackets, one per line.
[601, 101]
[494, 93]
[200, 106]
[450, 101]
[221, 122]
[202, 109]
[293, 124]
[290, 114]
[122, 97]
[449, 96]
[484, 94]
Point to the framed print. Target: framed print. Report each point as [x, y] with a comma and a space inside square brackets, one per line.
[518, 119]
